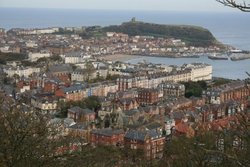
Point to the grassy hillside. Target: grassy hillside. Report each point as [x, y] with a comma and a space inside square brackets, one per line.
[192, 35]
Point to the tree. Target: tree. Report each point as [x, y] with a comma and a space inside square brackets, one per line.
[204, 150]
[89, 69]
[194, 88]
[92, 102]
[242, 5]
[27, 138]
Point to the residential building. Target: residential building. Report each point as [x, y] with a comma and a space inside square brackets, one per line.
[107, 136]
[124, 83]
[148, 96]
[184, 128]
[172, 89]
[81, 115]
[199, 71]
[45, 102]
[79, 75]
[237, 90]
[72, 93]
[60, 70]
[169, 125]
[80, 130]
[50, 86]
[127, 103]
[151, 142]
[76, 57]
[21, 71]
[35, 56]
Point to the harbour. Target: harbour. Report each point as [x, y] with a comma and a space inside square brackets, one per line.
[221, 68]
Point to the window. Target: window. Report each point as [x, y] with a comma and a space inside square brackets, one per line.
[220, 144]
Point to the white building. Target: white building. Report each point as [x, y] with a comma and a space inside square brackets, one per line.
[200, 71]
[31, 44]
[20, 71]
[110, 34]
[79, 75]
[5, 49]
[24, 88]
[35, 56]
[76, 57]
[20, 31]
[48, 104]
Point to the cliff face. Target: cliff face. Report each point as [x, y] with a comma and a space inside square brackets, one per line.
[192, 35]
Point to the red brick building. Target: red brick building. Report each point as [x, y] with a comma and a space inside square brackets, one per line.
[151, 142]
[72, 93]
[80, 130]
[124, 83]
[81, 115]
[148, 96]
[50, 86]
[237, 90]
[107, 136]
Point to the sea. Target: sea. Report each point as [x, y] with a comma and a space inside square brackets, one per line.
[232, 28]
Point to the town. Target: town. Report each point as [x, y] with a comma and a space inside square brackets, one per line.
[105, 102]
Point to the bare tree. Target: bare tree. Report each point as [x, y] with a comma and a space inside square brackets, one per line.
[27, 138]
[241, 5]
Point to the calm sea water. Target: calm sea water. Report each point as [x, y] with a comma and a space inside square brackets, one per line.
[221, 68]
[229, 28]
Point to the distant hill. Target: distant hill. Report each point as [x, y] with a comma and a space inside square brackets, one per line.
[192, 35]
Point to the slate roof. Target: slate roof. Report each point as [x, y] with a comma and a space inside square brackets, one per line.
[177, 115]
[80, 110]
[136, 135]
[142, 135]
[127, 100]
[45, 98]
[107, 132]
[154, 134]
[73, 88]
[61, 68]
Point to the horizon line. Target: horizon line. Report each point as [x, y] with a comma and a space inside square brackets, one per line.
[134, 10]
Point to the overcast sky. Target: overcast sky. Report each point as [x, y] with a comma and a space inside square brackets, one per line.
[165, 5]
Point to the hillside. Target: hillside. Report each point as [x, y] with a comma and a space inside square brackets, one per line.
[192, 35]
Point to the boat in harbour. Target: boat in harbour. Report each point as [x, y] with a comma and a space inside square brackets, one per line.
[239, 56]
[218, 56]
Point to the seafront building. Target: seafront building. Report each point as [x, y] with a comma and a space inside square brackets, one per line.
[75, 57]
[199, 71]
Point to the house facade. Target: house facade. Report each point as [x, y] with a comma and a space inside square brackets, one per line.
[148, 96]
[81, 115]
[107, 136]
[151, 142]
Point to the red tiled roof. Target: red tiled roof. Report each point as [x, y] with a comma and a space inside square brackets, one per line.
[182, 127]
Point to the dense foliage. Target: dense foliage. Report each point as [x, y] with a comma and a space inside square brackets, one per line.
[192, 35]
[91, 102]
[194, 88]
[27, 138]
[220, 81]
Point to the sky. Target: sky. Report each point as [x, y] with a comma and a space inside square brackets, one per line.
[161, 5]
